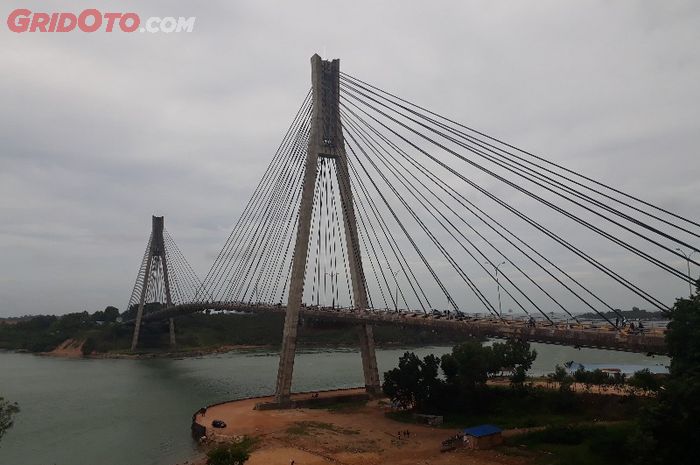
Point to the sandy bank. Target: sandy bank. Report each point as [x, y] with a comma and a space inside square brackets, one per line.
[354, 434]
[70, 348]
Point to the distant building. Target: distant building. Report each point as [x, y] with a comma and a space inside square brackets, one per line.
[482, 437]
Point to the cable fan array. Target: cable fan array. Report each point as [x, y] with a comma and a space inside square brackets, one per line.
[463, 195]
[447, 218]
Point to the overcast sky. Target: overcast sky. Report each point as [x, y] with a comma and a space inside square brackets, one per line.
[100, 131]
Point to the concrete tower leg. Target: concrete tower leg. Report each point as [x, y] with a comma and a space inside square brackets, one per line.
[142, 299]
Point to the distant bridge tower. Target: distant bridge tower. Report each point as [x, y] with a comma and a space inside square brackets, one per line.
[155, 270]
[326, 140]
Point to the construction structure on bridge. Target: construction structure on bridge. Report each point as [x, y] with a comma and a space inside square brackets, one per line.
[375, 210]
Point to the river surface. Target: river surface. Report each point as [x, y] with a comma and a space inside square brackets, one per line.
[138, 412]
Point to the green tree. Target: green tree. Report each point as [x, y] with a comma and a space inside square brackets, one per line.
[7, 413]
[468, 366]
[111, 314]
[645, 380]
[515, 357]
[414, 383]
[560, 375]
[670, 430]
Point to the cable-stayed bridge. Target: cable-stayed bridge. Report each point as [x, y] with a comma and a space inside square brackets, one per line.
[375, 210]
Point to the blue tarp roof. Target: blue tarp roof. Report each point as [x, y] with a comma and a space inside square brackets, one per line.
[482, 430]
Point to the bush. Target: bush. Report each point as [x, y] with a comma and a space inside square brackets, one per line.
[565, 435]
[645, 380]
[88, 346]
[235, 453]
[7, 412]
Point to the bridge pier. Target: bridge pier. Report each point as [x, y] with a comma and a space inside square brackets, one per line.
[325, 140]
[369, 360]
[171, 324]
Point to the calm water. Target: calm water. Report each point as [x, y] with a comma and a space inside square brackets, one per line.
[137, 412]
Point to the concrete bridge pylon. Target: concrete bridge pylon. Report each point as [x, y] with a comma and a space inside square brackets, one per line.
[325, 141]
[155, 253]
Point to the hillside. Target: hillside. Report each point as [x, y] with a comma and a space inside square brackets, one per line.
[198, 331]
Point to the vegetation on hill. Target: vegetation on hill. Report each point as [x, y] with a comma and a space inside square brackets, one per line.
[634, 314]
[101, 332]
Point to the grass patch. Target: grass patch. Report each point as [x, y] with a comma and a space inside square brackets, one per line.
[306, 428]
[341, 407]
[575, 444]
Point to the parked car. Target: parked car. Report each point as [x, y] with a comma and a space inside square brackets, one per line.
[218, 424]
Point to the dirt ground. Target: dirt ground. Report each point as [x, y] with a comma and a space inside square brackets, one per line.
[345, 436]
[70, 348]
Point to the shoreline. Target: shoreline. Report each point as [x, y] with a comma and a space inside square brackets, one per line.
[188, 353]
[75, 352]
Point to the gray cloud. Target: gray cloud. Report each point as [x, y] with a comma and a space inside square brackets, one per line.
[99, 131]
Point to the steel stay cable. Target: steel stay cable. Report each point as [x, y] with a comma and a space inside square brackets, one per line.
[432, 178]
[612, 189]
[341, 236]
[138, 284]
[406, 183]
[282, 233]
[261, 219]
[504, 155]
[415, 246]
[361, 215]
[287, 233]
[393, 245]
[282, 209]
[187, 272]
[540, 199]
[254, 223]
[641, 293]
[174, 273]
[222, 258]
[263, 226]
[450, 259]
[461, 199]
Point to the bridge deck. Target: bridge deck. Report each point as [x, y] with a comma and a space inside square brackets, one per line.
[562, 334]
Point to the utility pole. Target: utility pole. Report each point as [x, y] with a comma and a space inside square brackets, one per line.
[687, 259]
[498, 285]
[332, 275]
[396, 292]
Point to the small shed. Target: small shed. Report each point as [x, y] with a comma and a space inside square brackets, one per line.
[482, 437]
[432, 420]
